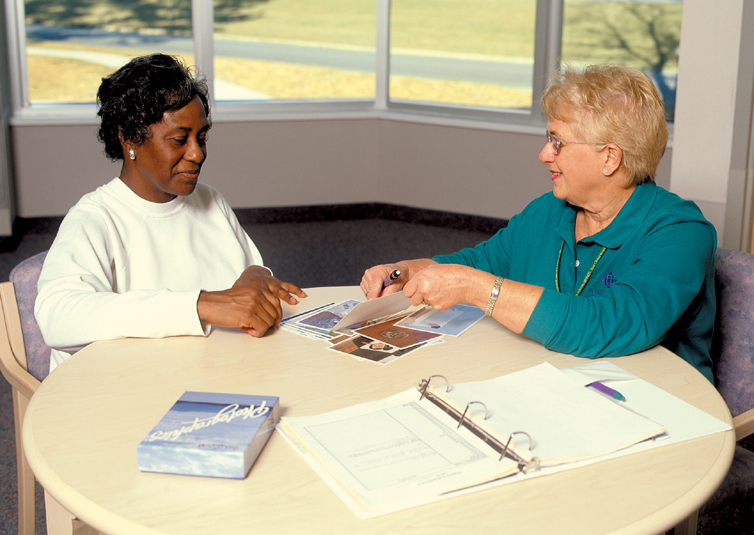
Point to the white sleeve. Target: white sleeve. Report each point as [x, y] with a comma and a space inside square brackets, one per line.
[77, 304]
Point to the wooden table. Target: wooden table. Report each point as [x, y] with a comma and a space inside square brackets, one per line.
[83, 424]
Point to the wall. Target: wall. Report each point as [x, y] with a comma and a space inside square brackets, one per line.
[477, 172]
[254, 164]
[301, 163]
[294, 163]
[713, 115]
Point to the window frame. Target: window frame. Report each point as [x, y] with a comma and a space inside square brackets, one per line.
[546, 53]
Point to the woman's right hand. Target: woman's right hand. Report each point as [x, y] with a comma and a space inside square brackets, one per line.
[261, 278]
[374, 277]
[249, 308]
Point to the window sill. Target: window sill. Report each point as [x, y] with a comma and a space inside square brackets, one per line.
[227, 112]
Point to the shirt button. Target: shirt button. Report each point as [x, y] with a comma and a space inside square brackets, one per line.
[577, 263]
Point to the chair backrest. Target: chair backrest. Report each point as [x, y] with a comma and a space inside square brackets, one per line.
[733, 343]
[24, 278]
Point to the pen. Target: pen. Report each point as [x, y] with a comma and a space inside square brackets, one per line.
[394, 275]
[607, 390]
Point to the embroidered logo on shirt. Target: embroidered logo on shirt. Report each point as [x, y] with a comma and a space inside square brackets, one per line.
[609, 280]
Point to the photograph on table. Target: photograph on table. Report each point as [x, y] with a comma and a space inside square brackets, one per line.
[365, 348]
[455, 321]
[318, 322]
[401, 337]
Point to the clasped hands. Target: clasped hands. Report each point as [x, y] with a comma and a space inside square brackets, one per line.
[252, 304]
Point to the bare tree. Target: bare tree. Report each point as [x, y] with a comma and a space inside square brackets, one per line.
[654, 45]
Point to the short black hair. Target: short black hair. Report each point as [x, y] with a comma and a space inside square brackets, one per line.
[137, 95]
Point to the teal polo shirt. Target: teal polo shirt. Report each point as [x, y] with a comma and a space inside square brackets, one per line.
[654, 284]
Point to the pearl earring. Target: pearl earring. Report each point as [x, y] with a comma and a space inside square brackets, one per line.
[131, 154]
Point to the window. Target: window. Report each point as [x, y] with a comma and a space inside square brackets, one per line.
[479, 59]
[71, 45]
[294, 49]
[472, 52]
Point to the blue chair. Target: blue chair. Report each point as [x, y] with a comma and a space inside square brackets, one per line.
[732, 506]
[24, 362]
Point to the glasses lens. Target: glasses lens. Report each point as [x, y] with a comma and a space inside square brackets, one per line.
[555, 143]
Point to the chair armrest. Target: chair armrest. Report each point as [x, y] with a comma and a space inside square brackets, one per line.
[19, 378]
[744, 424]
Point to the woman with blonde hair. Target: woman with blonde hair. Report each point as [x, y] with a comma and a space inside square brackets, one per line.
[608, 264]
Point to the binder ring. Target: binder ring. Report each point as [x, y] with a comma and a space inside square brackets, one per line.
[505, 449]
[486, 414]
[424, 384]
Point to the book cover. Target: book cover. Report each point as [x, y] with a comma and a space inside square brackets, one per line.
[210, 434]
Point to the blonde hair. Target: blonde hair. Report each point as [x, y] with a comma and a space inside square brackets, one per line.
[612, 104]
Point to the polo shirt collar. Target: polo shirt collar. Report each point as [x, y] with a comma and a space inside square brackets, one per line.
[633, 213]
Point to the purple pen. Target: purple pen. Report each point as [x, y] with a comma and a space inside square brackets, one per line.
[388, 281]
[607, 390]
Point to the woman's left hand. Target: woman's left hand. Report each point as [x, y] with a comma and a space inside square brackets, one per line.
[260, 277]
[443, 285]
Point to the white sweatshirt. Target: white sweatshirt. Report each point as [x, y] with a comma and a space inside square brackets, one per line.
[121, 266]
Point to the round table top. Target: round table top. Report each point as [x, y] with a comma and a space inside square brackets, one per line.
[83, 425]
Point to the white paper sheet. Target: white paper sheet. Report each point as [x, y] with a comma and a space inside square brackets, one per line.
[565, 421]
[682, 420]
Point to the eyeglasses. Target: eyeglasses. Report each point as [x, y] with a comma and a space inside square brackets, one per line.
[557, 143]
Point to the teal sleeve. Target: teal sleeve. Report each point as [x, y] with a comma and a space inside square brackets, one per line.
[492, 256]
[668, 284]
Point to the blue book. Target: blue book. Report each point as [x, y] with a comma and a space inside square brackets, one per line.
[210, 434]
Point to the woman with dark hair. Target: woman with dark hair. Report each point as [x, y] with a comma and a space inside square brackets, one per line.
[153, 252]
[138, 95]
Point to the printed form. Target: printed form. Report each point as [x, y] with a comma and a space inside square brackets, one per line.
[393, 451]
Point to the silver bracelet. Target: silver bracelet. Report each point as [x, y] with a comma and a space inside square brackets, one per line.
[493, 296]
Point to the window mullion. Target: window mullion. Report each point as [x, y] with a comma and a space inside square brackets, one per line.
[203, 27]
[16, 40]
[547, 49]
[382, 55]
